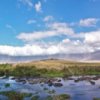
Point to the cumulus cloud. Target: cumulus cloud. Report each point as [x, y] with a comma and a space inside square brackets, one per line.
[35, 35]
[26, 50]
[89, 22]
[73, 43]
[90, 43]
[55, 29]
[38, 6]
[64, 47]
[92, 37]
[62, 28]
[75, 47]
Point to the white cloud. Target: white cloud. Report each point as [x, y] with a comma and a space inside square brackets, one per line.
[92, 37]
[27, 50]
[74, 47]
[31, 21]
[64, 47]
[89, 22]
[48, 18]
[35, 35]
[38, 6]
[55, 29]
[66, 41]
[90, 43]
[53, 50]
[61, 28]
[83, 42]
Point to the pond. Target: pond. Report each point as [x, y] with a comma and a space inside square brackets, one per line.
[78, 87]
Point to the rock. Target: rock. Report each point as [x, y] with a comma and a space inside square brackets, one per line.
[95, 78]
[70, 78]
[13, 78]
[83, 78]
[21, 80]
[59, 80]
[77, 80]
[92, 82]
[5, 77]
[58, 84]
[49, 82]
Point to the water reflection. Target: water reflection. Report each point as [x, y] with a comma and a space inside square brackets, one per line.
[78, 88]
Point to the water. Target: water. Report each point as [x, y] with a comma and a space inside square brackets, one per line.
[81, 90]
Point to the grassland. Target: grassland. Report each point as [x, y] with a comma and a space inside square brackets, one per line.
[50, 68]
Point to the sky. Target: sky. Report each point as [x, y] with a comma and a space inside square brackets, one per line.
[49, 27]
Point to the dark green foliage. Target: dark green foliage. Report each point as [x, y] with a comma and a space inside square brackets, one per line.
[32, 71]
[35, 98]
[21, 71]
[5, 69]
[7, 85]
[12, 95]
[59, 97]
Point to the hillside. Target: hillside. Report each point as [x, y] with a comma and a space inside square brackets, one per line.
[57, 64]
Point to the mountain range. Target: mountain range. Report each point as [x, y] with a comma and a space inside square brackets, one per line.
[95, 56]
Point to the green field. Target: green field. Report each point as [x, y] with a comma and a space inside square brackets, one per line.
[50, 68]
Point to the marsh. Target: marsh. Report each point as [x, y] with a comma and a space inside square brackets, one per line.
[80, 90]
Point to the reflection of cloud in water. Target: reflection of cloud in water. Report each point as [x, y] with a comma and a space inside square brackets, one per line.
[81, 90]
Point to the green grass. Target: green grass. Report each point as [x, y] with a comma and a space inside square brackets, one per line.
[52, 73]
[96, 99]
[12, 95]
[52, 68]
[59, 97]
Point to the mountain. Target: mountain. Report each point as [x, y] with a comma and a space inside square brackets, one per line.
[78, 57]
[95, 56]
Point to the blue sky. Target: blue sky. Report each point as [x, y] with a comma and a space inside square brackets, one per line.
[51, 26]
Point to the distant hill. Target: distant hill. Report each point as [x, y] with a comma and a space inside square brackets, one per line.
[57, 64]
[77, 57]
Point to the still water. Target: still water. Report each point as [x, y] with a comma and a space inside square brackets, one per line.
[80, 90]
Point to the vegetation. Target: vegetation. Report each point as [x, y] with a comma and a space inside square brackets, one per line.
[50, 68]
[59, 97]
[12, 95]
[7, 85]
[5, 69]
[51, 91]
[35, 98]
[96, 99]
